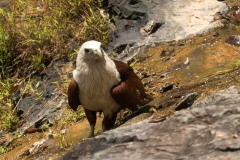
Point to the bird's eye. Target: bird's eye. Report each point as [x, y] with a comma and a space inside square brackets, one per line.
[87, 50]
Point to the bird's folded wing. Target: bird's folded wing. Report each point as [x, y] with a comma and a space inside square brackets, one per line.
[73, 95]
[130, 91]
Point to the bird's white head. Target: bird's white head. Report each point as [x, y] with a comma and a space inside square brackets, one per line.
[91, 51]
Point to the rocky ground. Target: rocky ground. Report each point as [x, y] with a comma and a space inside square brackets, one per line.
[180, 58]
[209, 130]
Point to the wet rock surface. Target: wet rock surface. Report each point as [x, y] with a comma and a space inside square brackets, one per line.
[209, 130]
[139, 24]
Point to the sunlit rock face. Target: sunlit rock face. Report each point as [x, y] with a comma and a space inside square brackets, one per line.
[209, 130]
[141, 23]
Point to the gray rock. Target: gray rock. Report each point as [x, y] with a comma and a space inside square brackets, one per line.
[234, 39]
[43, 108]
[210, 130]
[150, 28]
[139, 24]
[185, 101]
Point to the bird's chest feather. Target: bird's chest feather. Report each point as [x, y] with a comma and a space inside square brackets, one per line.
[95, 84]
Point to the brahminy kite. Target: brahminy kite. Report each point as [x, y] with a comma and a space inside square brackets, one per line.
[102, 84]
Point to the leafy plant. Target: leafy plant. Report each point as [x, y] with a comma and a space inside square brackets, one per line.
[9, 120]
[61, 140]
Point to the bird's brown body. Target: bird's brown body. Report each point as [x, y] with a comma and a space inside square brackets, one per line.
[103, 85]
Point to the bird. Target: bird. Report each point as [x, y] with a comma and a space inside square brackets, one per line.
[102, 84]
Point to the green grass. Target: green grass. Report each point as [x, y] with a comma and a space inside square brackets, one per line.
[32, 34]
[8, 118]
[237, 63]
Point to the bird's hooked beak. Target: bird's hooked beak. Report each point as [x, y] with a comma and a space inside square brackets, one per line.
[99, 53]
